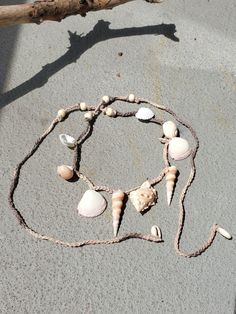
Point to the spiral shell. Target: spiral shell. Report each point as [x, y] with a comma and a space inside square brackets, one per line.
[144, 197]
[170, 182]
[117, 205]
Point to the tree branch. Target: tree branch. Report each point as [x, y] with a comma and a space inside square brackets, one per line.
[53, 10]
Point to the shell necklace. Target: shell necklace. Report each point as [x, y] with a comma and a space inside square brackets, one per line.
[142, 197]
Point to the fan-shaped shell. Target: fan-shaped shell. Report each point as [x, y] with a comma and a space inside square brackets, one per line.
[169, 129]
[92, 204]
[179, 148]
[144, 114]
[67, 140]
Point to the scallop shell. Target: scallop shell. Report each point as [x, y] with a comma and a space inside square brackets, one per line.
[169, 129]
[144, 197]
[92, 204]
[67, 140]
[179, 148]
[224, 233]
[144, 114]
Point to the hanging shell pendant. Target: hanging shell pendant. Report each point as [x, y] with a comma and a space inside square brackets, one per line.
[117, 205]
[179, 148]
[144, 197]
[170, 183]
[92, 204]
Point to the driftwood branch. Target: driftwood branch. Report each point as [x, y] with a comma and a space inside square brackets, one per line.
[53, 10]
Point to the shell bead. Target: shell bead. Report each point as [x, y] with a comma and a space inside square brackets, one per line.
[66, 172]
[110, 112]
[144, 114]
[106, 99]
[179, 148]
[92, 204]
[67, 140]
[88, 115]
[83, 106]
[156, 231]
[169, 129]
[61, 114]
[170, 182]
[131, 98]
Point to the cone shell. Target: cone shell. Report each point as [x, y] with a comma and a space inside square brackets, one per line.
[144, 197]
[66, 172]
[117, 205]
[169, 129]
[179, 148]
[170, 182]
[92, 204]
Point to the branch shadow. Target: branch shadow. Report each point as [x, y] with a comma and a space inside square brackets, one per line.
[79, 44]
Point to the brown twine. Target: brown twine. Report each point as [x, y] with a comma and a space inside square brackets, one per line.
[80, 140]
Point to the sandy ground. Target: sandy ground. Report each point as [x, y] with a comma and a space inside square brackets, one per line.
[179, 53]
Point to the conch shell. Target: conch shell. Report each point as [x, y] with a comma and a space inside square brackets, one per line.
[144, 197]
[117, 205]
[170, 182]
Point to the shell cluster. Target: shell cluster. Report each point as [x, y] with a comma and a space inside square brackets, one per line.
[144, 197]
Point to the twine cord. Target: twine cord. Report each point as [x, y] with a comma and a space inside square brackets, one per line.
[97, 110]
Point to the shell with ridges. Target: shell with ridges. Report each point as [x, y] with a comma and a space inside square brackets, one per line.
[67, 140]
[92, 204]
[117, 205]
[144, 114]
[179, 148]
[170, 182]
[169, 129]
[144, 197]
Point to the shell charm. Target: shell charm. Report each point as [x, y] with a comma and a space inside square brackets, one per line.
[92, 204]
[156, 231]
[170, 183]
[179, 148]
[67, 140]
[117, 204]
[144, 114]
[144, 197]
[66, 172]
[169, 129]
[224, 233]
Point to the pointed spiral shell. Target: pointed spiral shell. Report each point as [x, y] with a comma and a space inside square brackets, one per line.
[170, 182]
[117, 205]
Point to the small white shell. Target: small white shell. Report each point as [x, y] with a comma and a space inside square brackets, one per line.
[67, 140]
[156, 231]
[169, 129]
[224, 233]
[92, 204]
[131, 98]
[179, 148]
[144, 114]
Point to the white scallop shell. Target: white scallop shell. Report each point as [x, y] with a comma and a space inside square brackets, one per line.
[224, 233]
[92, 204]
[169, 129]
[144, 114]
[67, 140]
[179, 148]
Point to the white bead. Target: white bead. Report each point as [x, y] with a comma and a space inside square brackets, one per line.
[110, 112]
[88, 115]
[83, 106]
[131, 98]
[106, 99]
[61, 114]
